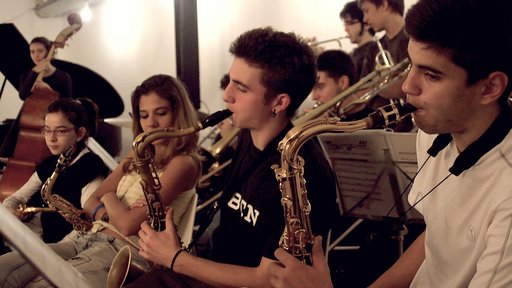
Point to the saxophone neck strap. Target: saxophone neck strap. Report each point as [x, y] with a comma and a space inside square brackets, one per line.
[498, 130]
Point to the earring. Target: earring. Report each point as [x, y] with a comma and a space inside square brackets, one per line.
[274, 113]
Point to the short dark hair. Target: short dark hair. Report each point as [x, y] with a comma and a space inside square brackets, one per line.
[224, 81]
[336, 63]
[287, 63]
[82, 112]
[432, 22]
[44, 41]
[395, 5]
[352, 10]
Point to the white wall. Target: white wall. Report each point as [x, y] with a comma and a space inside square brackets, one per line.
[128, 40]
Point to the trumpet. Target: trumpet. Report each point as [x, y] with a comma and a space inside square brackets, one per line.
[375, 82]
[383, 59]
[337, 40]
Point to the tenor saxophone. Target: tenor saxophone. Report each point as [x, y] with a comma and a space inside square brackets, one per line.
[297, 237]
[78, 218]
[150, 184]
[144, 163]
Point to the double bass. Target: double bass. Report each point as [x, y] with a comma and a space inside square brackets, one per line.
[30, 147]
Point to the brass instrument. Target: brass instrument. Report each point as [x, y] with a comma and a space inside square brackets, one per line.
[219, 147]
[374, 82]
[383, 59]
[76, 217]
[24, 209]
[337, 40]
[151, 186]
[387, 77]
[384, 74]
[297, 237]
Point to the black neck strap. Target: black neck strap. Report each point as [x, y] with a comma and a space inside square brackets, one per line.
[498, 130]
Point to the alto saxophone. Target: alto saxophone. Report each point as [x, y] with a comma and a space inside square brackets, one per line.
[76, 217]
[150, 182]
[297, 237]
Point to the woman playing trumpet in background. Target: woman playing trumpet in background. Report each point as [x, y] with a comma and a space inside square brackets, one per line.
[68, 123]
[160, 101]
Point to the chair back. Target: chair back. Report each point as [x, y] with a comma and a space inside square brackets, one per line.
[186, 225]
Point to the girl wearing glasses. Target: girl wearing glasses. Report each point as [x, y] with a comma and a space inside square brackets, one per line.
[67, 123]
[158, 102]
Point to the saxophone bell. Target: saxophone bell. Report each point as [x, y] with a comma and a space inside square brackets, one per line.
[123, 269]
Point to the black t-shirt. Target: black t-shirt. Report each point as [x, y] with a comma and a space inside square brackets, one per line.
[59, 81]
[68, 185]
[364, 59]
[397, 46]
[252, 218]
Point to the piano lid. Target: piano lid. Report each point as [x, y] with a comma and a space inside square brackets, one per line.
[15, 60]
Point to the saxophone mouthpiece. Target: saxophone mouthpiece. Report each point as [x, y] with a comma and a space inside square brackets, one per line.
[215, 118]
[388, 114]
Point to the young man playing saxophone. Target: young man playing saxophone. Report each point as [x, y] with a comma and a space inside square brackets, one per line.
[461, 88]
[271, 74]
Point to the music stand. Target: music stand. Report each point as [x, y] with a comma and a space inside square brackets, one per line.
[55, 269]
[373, 169]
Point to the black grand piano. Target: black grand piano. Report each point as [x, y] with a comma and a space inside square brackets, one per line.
[15, 60]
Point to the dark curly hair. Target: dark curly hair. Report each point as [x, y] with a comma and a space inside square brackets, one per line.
[336, 63]
[432, 22]
[287, 62]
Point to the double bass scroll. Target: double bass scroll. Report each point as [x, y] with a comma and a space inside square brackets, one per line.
[75, 23]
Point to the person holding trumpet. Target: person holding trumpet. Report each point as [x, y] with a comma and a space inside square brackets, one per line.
[364, 54]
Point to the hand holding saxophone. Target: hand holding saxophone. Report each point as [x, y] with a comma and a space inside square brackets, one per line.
[160, 247]
[289, 271]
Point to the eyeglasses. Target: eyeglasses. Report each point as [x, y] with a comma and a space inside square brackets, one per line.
[350, 22]
[59, 132]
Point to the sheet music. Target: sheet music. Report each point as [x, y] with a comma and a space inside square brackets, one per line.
[373, 167]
